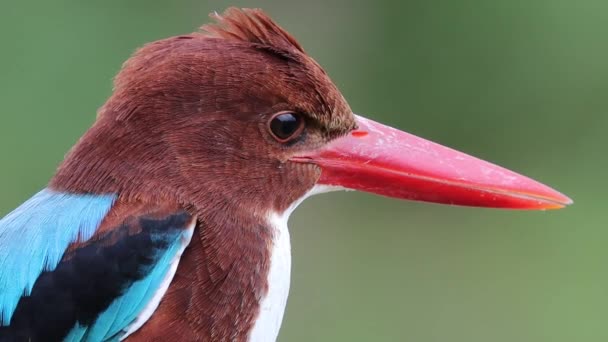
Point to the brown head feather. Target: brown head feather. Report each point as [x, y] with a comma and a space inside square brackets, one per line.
[188, 119]
[188, 123]
[253, 26]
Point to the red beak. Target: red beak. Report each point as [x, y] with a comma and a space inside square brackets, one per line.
[385, 161]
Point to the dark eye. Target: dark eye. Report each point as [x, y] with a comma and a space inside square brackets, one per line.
[286, 126]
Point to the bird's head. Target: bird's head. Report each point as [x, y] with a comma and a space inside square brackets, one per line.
[238, 115]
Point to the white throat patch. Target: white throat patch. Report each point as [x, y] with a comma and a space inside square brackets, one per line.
[272, 306]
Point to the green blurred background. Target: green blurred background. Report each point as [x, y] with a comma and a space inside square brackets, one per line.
[522, 83]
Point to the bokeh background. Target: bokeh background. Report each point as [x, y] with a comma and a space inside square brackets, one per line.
[522, 83]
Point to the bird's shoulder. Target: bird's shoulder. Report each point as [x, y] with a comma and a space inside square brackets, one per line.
[114, 259]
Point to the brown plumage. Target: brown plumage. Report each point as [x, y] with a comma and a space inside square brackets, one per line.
[202, 101]
[183, 126]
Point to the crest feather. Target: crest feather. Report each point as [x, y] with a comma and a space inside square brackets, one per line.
[251, 25]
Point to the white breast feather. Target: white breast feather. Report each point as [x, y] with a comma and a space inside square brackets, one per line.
[272, 306]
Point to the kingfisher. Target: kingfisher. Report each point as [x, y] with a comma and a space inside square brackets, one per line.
[167, 221]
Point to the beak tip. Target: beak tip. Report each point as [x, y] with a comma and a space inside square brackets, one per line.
[555, 201]
[566, 201]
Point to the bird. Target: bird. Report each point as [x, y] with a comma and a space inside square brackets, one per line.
[168, 218]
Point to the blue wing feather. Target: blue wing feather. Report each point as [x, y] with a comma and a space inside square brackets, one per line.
[110, 281]
[34, 237]
[114, 322]
[76, 334]
[105, 287]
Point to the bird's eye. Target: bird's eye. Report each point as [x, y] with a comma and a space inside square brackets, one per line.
[286, 126]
